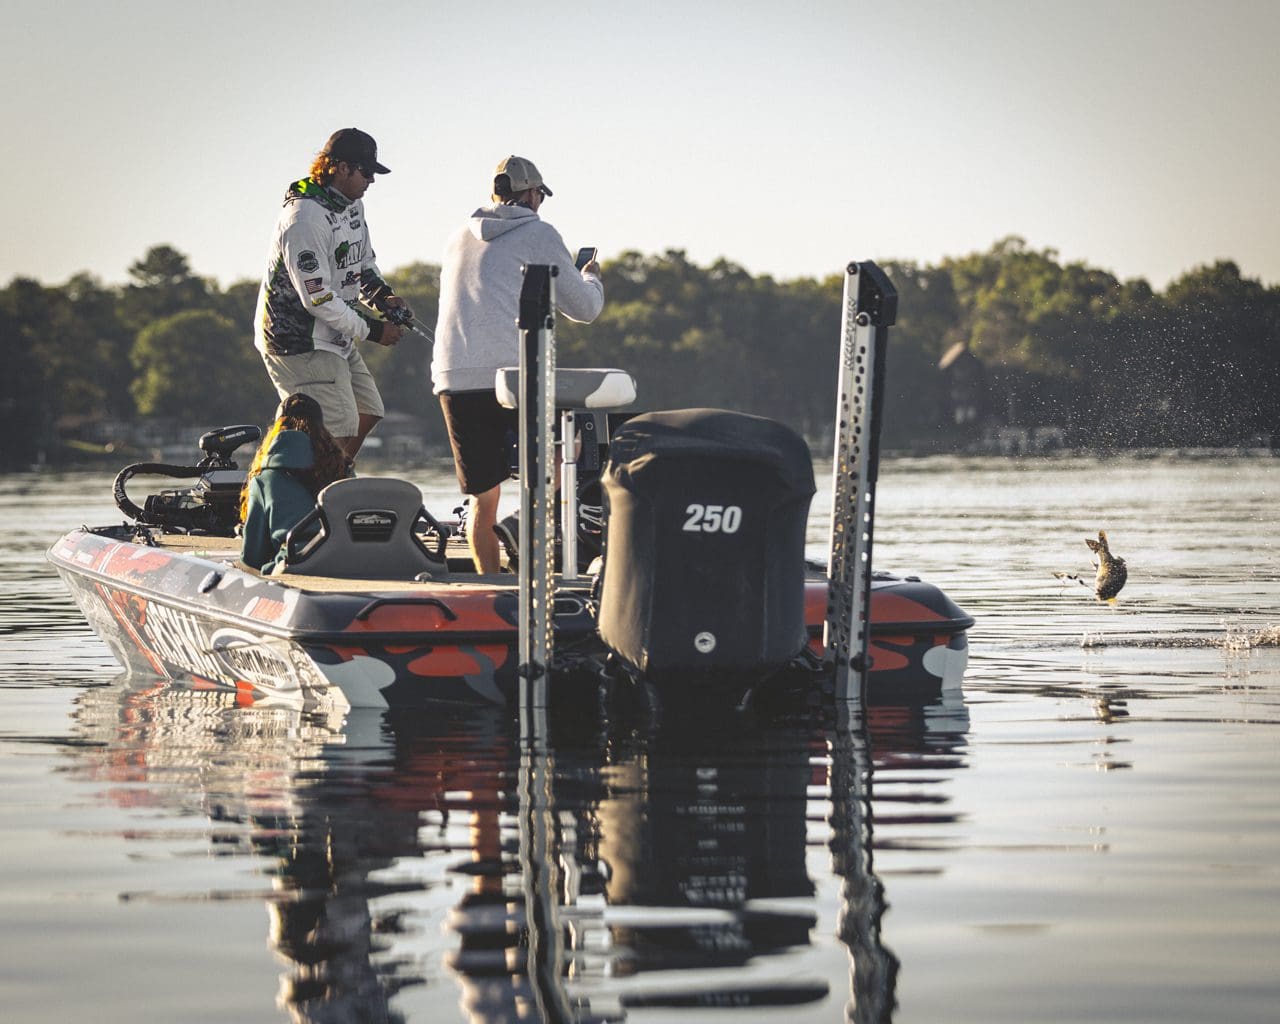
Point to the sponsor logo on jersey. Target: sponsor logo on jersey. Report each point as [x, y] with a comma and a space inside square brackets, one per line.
[307, 261]
[349, 253]
[351, 278]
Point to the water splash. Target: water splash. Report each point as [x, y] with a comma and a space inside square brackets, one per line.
[1244, 639]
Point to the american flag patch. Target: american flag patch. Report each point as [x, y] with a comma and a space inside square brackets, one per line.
[314, 284]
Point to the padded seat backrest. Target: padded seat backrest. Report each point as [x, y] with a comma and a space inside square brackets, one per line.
[366, 532]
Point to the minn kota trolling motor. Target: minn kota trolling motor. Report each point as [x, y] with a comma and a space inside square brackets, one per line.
[212, 506]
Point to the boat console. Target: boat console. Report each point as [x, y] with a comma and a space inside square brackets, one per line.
[597, 391]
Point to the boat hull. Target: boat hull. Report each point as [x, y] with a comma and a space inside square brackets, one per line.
[194, 617]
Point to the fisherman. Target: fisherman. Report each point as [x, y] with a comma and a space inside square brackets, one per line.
[321, 264]
[476, 334]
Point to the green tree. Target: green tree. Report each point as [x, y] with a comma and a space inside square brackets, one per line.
[1065, 344]
[196, 368]
[162, 284]
[1223, 341]
[917, 406]
[29, 401]
[25, 423]
[93, 346]
[238, 304]
[403, 372]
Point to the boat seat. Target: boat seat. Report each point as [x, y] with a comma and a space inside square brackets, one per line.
[599, 390]
[367, 530]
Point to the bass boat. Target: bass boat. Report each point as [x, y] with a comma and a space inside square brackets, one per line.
[701, 576]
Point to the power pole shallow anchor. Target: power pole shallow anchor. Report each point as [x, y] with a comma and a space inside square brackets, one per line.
[870, 307]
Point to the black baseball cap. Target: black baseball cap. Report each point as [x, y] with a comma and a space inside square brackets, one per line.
[352, 146]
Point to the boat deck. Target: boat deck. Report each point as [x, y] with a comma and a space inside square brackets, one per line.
[461, 576]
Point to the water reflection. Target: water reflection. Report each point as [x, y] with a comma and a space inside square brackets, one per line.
[702, 830]
[896, 765]
[614, 862]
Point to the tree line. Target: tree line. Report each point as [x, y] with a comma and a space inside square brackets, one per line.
[1009, 337]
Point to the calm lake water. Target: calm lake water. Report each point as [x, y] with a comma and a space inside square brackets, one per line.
[1091, 834]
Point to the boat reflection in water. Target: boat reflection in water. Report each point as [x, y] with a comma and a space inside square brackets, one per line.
[613, 862]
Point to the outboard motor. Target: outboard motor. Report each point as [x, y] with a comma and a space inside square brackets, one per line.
[704, 562]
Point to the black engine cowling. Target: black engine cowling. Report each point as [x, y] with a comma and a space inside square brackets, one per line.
[704, 543]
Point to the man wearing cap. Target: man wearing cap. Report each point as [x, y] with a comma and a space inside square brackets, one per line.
[476, 334]
[321, 265]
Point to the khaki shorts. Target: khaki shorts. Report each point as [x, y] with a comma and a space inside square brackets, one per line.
[342, 385]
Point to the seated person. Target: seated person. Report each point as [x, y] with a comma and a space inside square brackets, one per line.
[296, 460]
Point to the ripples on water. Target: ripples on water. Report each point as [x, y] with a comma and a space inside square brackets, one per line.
[1091, 834]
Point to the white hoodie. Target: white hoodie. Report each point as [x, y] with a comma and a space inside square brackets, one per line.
[480, 283]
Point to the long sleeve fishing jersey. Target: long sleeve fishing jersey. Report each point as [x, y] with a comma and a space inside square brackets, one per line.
[320, 259]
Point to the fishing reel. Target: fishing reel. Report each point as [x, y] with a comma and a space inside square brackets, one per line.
[374, 294]
[401, 316]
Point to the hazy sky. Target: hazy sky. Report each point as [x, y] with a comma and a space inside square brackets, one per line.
[1140, 136]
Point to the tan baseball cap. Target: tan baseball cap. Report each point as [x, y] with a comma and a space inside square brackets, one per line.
[522, 175]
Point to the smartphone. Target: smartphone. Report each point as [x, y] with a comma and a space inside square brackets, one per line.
[585, 255]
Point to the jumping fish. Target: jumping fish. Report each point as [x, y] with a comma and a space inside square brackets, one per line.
[1111, 571]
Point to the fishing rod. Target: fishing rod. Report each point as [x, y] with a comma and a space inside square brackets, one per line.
[375, 290]
[401, 317]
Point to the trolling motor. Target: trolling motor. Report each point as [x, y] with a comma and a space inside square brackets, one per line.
[211, 506]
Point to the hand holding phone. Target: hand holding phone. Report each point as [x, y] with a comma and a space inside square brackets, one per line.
[586, 254]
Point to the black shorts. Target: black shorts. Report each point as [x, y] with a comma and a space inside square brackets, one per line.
[483, 436]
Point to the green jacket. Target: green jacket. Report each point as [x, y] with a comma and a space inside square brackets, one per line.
[277, 499]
